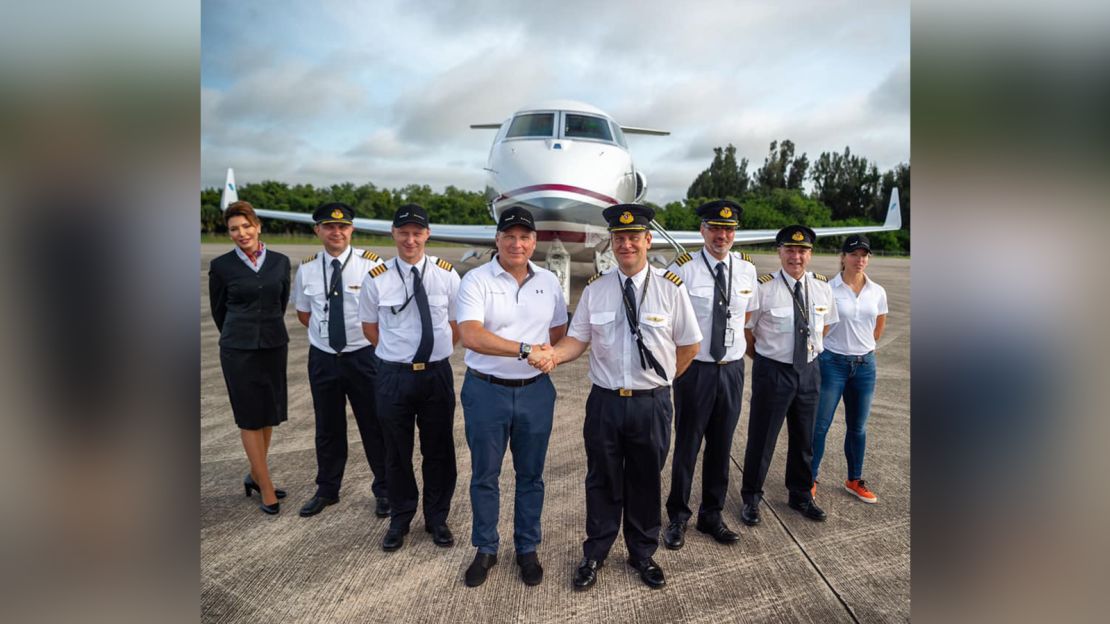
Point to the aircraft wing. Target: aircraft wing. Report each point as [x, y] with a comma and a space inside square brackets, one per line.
[465, 234]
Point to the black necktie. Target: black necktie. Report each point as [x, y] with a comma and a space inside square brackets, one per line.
[801, 328]
[630, 302]
[337, 326]
[424, 350]
[720, 317]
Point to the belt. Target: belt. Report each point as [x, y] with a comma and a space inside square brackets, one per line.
[858, 359]
[343, 353]
[721, 363]
[413, 366]
[625, 392]
[515, 383]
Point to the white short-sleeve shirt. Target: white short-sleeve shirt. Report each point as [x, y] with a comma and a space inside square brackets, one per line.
[666, 320]
[384, 298]
[855, 333]
[522, 313]
[773, 323]
[309, 293]
[701, 285]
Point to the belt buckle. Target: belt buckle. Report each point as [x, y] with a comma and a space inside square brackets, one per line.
[624, 392]
[418, 366]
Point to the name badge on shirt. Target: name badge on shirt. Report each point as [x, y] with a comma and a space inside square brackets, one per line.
[324, 330]
[730, 336]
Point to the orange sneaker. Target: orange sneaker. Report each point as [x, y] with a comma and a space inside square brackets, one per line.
[859, 488]
[813, 489]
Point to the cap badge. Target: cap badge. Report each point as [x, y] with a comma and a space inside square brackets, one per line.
[726, 212]
[798, 236]
[337, 214]
[626, 217]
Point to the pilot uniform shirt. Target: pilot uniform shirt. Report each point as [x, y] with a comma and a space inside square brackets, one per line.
[701, 285]
[666, 320]
[522, 313]
[773, 323]
[855, 333]
[387, 299]
[310, 295]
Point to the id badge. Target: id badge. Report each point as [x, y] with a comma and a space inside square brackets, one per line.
[324, 330]
[730, 336]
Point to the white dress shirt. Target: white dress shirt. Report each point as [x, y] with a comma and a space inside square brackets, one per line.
[855, 333]
[384, 296]
[310, 295]
[701, 284]
[666, 321]
[522, 313]
[773, 323]
[256, 264]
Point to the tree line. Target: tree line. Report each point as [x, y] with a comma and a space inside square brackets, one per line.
[846, 190]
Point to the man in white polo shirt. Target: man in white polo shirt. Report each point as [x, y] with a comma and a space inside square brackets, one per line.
[507, 308]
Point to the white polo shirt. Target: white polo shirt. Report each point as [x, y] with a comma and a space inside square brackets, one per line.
[666, 321]
[855, 333]
[310, 295]
[384, 298]
[701, 284]
[522, 313]
[773, 323]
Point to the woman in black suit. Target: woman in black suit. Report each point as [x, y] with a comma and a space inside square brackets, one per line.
[249, 289]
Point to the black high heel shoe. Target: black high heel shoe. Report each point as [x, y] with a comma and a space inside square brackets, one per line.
[270, 509]
[249, 484]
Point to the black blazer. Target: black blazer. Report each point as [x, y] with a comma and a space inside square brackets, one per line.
[249, 307]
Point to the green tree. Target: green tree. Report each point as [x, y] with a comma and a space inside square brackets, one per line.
[846, 183]
[781, 169]
[724, 177]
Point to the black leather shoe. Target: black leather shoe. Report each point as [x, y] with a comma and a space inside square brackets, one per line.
[531, 572]
[381, 507]
[316, 504]
[479, 568]
[675, 535]
[749, 515]
[249, 484]
[270, 509]
[586, 575]
[650, 572]
[394, 539]
[808, 509]
[719, 532]
[441, 535]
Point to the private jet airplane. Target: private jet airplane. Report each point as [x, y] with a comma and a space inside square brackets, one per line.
[565, 161]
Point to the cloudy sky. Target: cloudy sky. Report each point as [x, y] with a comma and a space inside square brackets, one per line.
[384, 91]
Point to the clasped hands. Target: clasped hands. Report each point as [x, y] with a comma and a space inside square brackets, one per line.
[543, 358]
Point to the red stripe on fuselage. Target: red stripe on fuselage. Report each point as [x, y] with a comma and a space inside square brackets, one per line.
[566, 188]
[565, 236]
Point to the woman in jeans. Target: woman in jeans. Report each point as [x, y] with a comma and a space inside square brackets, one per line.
[848, 361]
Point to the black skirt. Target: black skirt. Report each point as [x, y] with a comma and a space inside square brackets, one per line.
[256, 384]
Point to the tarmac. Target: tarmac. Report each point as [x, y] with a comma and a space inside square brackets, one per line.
[330, 568]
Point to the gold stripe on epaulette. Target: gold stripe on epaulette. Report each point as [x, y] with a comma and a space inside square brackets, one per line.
[745, 257]
[308, 259]
[369, 255]
[671, 277]
[378, 270]
[443, 264]
[683, 259]
[593, 278]
[766, 277]
[820, 277]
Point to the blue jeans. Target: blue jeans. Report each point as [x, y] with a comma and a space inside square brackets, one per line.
[851, 377]
[498, 416]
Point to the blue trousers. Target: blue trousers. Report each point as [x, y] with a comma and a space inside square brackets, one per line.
[851, 377]
[498, 416]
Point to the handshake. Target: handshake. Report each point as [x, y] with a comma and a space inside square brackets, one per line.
[543, 358]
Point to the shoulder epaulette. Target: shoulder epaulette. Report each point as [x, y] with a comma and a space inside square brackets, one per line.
[443, 264]
[308, 259]
[671, 277]
[820, 277]
[745, 257]
[683, 259]
[766, 277]
[593, 278]
[378, 270]
[369, 255]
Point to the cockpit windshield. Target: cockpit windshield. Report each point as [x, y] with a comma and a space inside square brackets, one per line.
[532, 125]
[586, 127]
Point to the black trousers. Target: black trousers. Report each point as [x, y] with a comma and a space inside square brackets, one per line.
[407, 399]
[707, 401]
[626, 446]
[334, 380]
[781, 393]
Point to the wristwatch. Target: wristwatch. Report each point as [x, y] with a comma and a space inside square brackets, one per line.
[525, 350]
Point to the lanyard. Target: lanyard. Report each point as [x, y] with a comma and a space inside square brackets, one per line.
[408, 297]
[334, 276]
[801, 304]
[634, 324]
[728, 285]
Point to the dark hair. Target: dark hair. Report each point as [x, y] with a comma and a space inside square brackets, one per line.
[241, 209]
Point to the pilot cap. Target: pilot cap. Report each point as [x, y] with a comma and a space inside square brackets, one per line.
[722, 212]
[628, 217]
[795, 236]
[513, 216]
[410, 213]
[335, 212]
